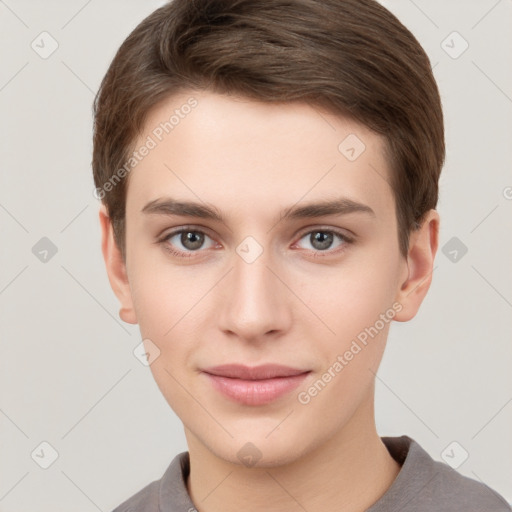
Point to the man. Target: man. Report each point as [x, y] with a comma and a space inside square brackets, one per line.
[269, 176]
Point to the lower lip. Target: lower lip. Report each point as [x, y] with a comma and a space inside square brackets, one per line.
[255, 392]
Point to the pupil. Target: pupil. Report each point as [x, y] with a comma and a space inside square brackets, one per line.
[192, 240]
[322, 239]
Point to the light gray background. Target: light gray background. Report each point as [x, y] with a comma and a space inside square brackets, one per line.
[68, 373]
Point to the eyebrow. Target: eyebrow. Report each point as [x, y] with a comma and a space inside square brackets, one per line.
[341, 206]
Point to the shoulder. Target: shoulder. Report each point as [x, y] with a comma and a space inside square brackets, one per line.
[145, 500]
[460, 492]
[166, 494]
[425, 484]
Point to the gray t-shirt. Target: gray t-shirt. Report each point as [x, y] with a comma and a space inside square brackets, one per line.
[422, 485]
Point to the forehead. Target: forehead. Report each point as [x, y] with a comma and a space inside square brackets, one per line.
[233, 151]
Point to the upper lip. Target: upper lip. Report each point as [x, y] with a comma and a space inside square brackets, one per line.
[265, 371]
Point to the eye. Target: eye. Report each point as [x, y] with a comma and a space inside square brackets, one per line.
[322, 240]
[186, 240]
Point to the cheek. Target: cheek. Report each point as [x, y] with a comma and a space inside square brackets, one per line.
[358, 308]
[350, 298]
[166, 316]
[169, 306]
[154, 309]
[162, 295]
[351, 303]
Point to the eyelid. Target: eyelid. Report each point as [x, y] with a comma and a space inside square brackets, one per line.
[345, 233]
[185, 228]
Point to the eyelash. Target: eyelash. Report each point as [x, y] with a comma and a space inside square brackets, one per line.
[190, 254]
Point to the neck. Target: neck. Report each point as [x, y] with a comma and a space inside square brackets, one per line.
[352, 468]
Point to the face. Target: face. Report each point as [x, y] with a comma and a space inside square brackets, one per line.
[260, 234]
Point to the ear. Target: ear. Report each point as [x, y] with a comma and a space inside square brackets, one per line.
[116, 268]
[419, 267]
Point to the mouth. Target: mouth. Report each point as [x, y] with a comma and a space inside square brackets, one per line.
[258, 385]
[265, 371]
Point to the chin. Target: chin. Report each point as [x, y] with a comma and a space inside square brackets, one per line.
[258, 452]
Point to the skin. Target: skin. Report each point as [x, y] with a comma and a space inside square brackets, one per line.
[299, 303]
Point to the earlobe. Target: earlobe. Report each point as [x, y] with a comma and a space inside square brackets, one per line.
[116, 268]
[420, 261]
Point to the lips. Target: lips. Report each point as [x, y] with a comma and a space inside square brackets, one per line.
[258, 385]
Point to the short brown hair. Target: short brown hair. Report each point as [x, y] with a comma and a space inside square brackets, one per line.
[352, 57]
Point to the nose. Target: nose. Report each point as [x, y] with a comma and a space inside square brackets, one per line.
[254, 302]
